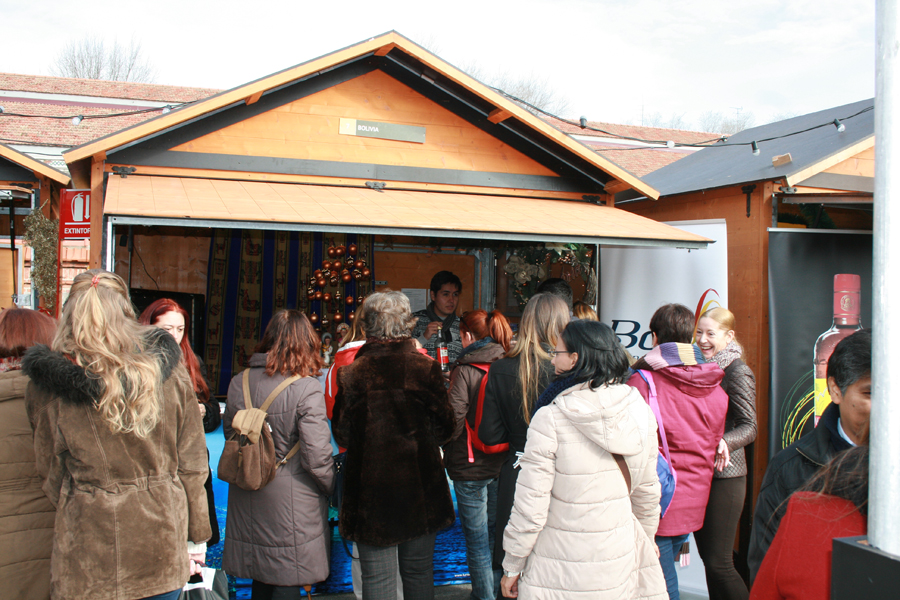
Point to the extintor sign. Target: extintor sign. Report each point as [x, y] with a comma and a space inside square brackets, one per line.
[75, 215]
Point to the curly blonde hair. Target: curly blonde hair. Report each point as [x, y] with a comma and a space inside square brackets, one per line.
[99, 332]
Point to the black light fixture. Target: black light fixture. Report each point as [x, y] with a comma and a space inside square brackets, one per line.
[755, 148]
[839, 126]
[583, 122]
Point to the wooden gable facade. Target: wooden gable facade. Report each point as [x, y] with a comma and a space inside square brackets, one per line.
[299, 149]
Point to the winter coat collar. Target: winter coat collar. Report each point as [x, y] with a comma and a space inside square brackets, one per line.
[56, 374]
[486, 353]
[381, 347]
[605, 416]
[257, 360]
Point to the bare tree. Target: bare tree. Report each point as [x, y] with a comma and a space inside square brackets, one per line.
[529, 90]
[673, 121]
[92, 58]
[722, 123]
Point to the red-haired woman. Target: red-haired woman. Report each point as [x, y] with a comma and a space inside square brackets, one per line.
[167, 314]
[485, 338]
[279, 536]
[26, 514]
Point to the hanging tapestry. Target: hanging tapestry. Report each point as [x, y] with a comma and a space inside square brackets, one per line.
[253, 274]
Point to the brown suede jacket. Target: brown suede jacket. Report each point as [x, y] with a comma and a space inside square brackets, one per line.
[126, 507]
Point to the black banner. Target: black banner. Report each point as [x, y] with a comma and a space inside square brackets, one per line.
[802, 266]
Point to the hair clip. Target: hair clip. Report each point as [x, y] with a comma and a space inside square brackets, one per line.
[95, 280]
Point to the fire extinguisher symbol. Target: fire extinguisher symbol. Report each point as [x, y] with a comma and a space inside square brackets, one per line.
[81, 208]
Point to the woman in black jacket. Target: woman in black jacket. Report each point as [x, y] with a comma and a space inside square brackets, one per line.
[715, 540]
[514, 385]
[392, 415]
[485, 338]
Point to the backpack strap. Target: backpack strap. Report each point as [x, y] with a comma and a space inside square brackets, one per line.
[281, 386]
[265, 406]
[647, 376]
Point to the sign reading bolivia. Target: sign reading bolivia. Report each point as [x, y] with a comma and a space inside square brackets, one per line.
[384, 131]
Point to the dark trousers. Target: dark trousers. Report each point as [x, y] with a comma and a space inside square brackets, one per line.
[264, 591]
[416, 562]
[715, 541]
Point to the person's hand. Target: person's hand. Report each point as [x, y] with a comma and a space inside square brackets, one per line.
[431, 329]
[197, 562]
[202, 410]
[723, 456]
[509, 586]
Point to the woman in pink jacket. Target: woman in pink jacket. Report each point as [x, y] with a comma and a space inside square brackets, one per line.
[692, 405]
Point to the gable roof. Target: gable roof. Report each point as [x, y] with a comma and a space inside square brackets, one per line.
[638, 149]
[28, 163]
[421, 71]
[813, 142]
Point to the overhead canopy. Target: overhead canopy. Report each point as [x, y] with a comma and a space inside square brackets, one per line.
[195, 202]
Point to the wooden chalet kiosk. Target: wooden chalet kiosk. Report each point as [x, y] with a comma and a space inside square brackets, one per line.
[377, 145]
[25, 185]
[807, 160]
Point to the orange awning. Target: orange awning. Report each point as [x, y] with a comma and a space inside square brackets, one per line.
[157, 200]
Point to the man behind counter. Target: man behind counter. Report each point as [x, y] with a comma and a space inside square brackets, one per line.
[445, 290]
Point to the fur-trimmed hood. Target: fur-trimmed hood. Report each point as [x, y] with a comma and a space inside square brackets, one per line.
[54, 373]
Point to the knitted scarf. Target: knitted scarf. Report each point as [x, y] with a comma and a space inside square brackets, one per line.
[670, 354]
[446, 322]
[726, 356]
[476, 345]
[555, 389]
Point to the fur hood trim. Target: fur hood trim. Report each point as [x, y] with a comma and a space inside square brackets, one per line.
[57, 375]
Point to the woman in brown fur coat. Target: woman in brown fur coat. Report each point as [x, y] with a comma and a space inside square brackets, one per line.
[392, 414]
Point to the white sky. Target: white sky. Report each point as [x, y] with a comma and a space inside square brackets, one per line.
[610, 59]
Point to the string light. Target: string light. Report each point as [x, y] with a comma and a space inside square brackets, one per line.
[77, 120]
[755, 148]
[839, 126]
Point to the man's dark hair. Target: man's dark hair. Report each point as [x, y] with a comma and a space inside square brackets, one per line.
[851, 359]
[673, 323]
[442, 278]
[557, 287]
[601, 358]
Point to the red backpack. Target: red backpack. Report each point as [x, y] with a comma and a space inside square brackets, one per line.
[472, 428]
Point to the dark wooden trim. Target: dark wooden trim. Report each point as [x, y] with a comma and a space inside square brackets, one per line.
[322, 168]
[9, 171]
[834, 181]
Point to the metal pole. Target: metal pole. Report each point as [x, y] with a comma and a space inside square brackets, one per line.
[884, 488]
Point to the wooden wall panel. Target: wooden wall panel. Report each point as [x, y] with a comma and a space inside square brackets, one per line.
[415, 270]
[308, 129]
[6, 277]
[170, 262]
[863, 165]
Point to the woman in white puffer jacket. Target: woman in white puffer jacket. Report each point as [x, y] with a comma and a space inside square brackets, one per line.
[579, 529]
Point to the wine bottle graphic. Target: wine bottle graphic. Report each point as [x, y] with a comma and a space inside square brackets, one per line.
[845, 323]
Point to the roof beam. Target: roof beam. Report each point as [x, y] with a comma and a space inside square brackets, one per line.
[254, 98]
[498, 114]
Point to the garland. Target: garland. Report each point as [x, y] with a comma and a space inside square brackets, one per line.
[528, 267]
[42, 234]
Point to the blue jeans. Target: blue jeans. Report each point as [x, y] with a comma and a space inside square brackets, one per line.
[477, 505]
[669, 548]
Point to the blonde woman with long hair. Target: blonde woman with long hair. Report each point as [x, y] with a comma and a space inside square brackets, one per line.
[119, 444]
[514, 385]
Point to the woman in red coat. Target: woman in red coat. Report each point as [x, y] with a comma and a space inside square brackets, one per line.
[832, 505]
